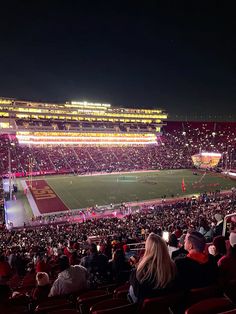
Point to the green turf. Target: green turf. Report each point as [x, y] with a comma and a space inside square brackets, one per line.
[87, 191]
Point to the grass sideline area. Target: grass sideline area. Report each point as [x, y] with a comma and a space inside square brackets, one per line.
[87, 191]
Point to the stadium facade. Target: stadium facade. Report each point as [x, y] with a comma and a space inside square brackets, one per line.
[78, 123]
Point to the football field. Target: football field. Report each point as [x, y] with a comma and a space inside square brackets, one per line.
[86, 191]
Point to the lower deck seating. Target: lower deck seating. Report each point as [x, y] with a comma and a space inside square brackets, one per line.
[211, 306]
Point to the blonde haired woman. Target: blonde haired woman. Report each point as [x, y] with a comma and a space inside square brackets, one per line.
[155, 274]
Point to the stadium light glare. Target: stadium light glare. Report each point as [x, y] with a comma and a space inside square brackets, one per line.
[233, 174]
[211, 154]
[86, 103]
[87, 143]
[117, 138]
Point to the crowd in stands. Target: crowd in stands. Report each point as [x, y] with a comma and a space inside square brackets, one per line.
[175, 146]
[60, 256]
[73, 257]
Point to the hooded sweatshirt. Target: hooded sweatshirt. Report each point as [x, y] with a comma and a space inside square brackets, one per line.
[73, 279]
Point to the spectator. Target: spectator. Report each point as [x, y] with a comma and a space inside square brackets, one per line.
[120, 266]
[155, 274]
[94, 262]
[227, 264]
[68, 250]
[197, 269]
[70, 279]
[205, 230]
[181, 252]
[74, 259]
[219, 225]
[42, 289]
[127, 251]
[218, 248]
[42, 264]
[172, 244]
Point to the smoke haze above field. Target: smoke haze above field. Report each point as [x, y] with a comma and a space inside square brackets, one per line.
[178, 56]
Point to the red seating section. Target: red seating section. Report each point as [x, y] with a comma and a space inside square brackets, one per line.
[211, 306]
[113, 306]
[161, 304]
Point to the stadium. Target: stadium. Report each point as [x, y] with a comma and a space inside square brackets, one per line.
[103, 155]
[81, 174]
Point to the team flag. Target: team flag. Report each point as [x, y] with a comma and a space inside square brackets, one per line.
[183, 186]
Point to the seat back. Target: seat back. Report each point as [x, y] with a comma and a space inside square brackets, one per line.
[54, 304]
[65, 311]
[121, 292]
[230, 290]
[88, 299]
[210, 306]
[162, 304]
[198, 294]
[114, 306]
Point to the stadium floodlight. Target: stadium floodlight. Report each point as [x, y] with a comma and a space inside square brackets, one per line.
[211, 154]
[88, 104]
[87, 142]
[147, 137]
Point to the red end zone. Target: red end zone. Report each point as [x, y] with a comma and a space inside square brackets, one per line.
[45, 198]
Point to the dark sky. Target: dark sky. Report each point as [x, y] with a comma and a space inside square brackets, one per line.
[174, 54]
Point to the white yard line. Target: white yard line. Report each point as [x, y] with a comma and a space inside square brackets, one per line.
[31, 200]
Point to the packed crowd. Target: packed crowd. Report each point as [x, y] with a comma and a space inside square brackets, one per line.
[158, 249]
[107, 250]
[178, 142]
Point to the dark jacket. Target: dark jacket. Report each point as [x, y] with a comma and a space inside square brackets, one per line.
[194, 274]
[95, 263]
[40, 293]
[181, 252]
[218, 229]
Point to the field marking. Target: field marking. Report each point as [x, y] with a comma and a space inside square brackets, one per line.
[76, 178]
[59, 196]
[94, 174]
[30, 198]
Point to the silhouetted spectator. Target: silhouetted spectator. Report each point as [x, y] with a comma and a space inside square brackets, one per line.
[197, 269]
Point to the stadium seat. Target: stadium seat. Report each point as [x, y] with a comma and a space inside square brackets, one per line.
[210, 306]
[162, 304]
[65, 311]
[88, 299]
[121, 292]
[113, 306]
[108, 287]
[54, 304]
[230, 290]
[196, 295]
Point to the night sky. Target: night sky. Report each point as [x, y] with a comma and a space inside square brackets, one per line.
[172, 54]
